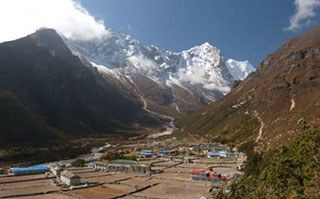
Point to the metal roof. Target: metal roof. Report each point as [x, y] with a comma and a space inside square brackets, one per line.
[198, 171]
[121, 161]
[90, 164]
[146, 153]
[214, 153]
[32, 168]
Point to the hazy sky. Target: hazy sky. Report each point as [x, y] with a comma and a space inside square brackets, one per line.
[242, 29]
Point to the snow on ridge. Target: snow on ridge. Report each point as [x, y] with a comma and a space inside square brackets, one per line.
[199, 66]
[104, 69]
[239, 69]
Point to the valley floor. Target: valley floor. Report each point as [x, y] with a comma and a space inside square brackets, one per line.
[170, 177]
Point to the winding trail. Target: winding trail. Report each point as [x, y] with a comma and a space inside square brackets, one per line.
[256, 114]
[95, 154]
[293, 104]
[177, 108]
[169, 121]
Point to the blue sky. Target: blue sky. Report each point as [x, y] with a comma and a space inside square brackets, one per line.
[242, 29]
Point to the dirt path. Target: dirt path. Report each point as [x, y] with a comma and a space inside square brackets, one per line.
[256, 114]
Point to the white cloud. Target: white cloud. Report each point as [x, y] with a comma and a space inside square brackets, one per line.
[305, 11]
[19, 18]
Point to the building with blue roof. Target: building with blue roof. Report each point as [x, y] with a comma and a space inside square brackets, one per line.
[225, 154]
[90, 165]
[163, 151]
[37, 169]
[220, 154]
[213, 154]
[146, 154]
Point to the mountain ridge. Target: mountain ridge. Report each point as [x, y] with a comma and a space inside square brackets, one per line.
[270, 106]
[200, 73]
[54, 95]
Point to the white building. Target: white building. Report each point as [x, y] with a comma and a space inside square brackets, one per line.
[56, 170]
[70, 179]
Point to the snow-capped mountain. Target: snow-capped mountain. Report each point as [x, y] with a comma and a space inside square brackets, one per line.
[239, 69]
[165, 82]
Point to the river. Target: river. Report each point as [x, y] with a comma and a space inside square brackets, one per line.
[94, 154]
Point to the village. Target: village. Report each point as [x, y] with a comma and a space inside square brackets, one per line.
[150, 168]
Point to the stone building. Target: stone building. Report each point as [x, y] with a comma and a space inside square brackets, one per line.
[70, 179]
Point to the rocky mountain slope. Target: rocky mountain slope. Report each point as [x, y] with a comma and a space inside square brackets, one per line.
[165, 82]
[46, 92]
[268, 108]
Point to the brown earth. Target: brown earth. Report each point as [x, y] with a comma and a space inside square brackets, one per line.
[272, 105]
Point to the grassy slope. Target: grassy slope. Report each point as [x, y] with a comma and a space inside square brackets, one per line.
[263, 103]
[292, 171]
[288, 165]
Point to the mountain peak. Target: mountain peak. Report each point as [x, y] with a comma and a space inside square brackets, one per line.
[272, 106]
[201, 70]
[239, 69]
[206, 45]
[50, 94]
[50, 39]
[46, 33]
[205, 52]
[45, 29]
